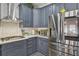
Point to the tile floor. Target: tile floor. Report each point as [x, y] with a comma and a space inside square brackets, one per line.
[37, 54]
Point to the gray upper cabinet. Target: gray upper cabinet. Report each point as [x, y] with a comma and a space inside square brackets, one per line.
[26, 14]
[36, 18]
[41, 20]
[70, 6]
[40, 17]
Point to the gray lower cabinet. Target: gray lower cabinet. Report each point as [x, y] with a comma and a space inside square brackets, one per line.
[43, 46]
[34, 44]
[25, 47]
[17, 48]
[31, 45]
[0, 50]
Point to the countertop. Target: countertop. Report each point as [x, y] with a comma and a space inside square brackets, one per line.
[27, 37]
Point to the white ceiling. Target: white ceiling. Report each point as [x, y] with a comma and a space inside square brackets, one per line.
[40, 5]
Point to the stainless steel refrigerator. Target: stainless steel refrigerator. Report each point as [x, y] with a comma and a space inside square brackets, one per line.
[64, 34]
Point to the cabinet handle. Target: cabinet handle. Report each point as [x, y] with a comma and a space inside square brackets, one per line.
[30, 39]
[30, 46]
[29, 42]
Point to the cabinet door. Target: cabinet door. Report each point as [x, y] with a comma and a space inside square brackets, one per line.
[70, 6]
[29, 51]
[35, 17]
[34, 44]
[43, 46]
[0, 51]
[29, 46]
[39, 45]
[42, 14]
[47, 11]
[26, 14]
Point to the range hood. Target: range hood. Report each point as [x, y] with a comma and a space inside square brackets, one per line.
[9, 26]
[40, 5]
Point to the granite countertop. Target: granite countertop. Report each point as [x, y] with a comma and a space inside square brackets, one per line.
[26, 37]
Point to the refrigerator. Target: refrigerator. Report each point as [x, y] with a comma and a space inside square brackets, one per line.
[64, 34]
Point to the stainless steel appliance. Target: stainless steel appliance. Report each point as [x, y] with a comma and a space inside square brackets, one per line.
[64, 34]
